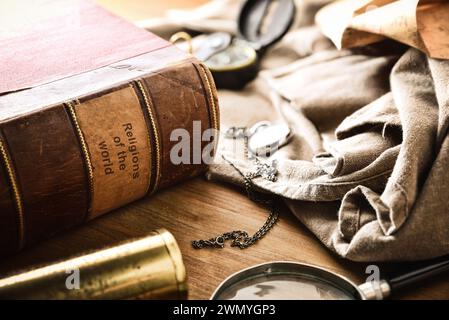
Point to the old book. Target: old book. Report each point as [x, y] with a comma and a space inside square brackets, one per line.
[86, 113]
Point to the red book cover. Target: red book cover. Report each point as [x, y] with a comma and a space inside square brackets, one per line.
[45, 40]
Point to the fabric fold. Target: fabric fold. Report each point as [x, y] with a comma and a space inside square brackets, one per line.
[366, 169]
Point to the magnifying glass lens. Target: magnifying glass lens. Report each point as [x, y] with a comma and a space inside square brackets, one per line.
[280, 280]
[283, 287]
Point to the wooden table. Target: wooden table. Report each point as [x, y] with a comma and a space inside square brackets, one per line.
[199, 209]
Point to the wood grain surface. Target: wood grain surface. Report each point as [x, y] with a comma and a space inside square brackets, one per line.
[199, 209]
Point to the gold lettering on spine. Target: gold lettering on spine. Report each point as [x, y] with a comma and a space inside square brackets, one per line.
[151, 115]
[17, 197]
[116, 139]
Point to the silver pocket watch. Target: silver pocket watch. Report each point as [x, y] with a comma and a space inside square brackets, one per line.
[263, 138]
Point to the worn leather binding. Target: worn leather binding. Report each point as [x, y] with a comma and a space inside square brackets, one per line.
[79, 147]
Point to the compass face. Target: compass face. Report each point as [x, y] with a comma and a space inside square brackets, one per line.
[237, 55]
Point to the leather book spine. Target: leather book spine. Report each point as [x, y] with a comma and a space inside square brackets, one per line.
[76, 160]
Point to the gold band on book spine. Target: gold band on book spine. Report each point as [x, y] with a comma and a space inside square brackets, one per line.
[85, 151]
[150, 109]
[150, 267]
[17, 197]
[213, 106]
[211, 93]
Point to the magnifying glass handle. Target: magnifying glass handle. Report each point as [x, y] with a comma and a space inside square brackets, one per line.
[412, 277]
[378, 290]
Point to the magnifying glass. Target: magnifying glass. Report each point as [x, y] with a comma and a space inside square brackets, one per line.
[298, 281]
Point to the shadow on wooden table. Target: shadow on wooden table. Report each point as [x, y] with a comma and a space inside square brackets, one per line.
[199, 209]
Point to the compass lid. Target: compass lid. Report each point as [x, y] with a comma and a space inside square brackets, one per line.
[264, 22]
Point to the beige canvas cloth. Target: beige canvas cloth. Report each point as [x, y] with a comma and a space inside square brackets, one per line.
[368, 168]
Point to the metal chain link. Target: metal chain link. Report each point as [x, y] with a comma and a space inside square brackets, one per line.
[241, 238]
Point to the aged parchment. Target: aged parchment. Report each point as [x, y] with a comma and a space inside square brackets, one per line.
[423, 24]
